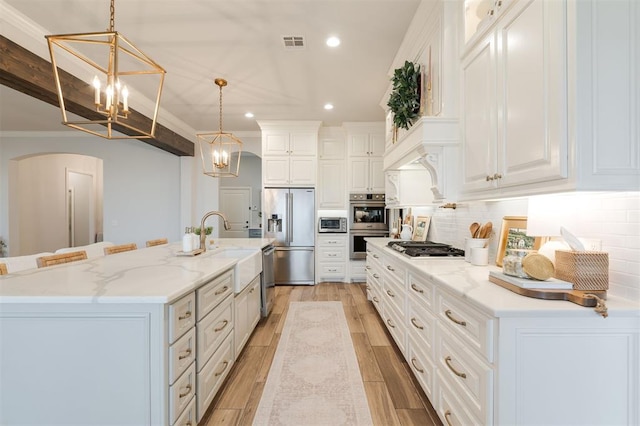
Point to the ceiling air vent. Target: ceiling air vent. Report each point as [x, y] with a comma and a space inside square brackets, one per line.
[293, 42]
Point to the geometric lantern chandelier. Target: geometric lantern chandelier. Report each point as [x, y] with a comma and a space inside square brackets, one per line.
[220, 150]
[112, 67]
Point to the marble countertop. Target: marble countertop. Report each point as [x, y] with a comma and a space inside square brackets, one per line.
[472, 284]
[147, 275]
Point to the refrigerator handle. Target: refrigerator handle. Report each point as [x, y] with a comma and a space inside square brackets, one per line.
[290, 218]
[286, 227]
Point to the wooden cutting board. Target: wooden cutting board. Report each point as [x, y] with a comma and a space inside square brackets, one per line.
[575, 296]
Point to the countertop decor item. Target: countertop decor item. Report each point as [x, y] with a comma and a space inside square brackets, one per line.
[538, 266]
[421, 228]
[404, 100]
[587, 270]
[513, 235]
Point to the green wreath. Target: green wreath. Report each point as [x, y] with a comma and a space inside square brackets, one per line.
[404, 101]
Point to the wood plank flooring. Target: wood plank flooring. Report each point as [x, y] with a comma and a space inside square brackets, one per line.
[393, 394]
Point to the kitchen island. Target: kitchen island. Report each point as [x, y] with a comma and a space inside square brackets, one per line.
[139, 338]
[485, 355]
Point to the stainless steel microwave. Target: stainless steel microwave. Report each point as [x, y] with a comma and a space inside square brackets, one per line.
[332, 224]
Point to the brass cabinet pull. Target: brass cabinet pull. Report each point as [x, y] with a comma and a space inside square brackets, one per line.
[367, 267]
[390, 293]
[413, 362]
[390, 323]
[488, 178]
[187, 353]
[390, 268]
[375, 299]
[224, 367]
[375, 256]
[185, 316]
[222, 290]
[376, 276]
[188, 388]
[224, 324]
[415, 324]
[447, 360]
[416, 288]
[447, 414]
[497, 176]
[457, 321]
[251, 291]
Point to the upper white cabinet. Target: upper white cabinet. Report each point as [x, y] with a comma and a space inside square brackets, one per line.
[408, 187]
[535, 90]
[332, 188]
[365, 148]
[478, 16]
[289, 152]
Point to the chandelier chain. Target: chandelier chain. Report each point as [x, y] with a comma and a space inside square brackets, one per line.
[112, 11]
[220, 109]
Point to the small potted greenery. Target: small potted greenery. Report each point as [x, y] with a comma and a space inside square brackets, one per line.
[207, 231]
[404, 101]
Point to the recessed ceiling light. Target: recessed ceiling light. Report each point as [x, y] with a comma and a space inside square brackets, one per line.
[328, 106]
[248, 114]
[333, 41]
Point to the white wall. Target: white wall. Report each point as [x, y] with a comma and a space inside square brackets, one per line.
[142, 184]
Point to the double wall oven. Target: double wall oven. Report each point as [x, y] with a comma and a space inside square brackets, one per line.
[367, 218]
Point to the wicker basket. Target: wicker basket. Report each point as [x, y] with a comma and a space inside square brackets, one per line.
[587, 270]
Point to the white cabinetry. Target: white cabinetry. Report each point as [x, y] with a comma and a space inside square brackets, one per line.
[332, 188]
[479, 368]
[365, 148]
[407, 187]
[332, 255]
[515, 100]
[247, 313]
[533, 119]
[289, 153]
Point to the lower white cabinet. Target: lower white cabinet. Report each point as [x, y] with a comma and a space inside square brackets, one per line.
[541, 365]
[247, 308]
[331, 258]
[213, 373]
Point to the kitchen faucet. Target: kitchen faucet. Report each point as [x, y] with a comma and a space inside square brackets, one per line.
[203, 232]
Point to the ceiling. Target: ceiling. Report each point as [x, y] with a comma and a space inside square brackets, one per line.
[241, 41]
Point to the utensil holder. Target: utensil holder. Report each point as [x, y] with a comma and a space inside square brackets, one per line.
[587, 270]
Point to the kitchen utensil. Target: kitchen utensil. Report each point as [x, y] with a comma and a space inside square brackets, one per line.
[571, 239]
[485, 230]
[475, 226]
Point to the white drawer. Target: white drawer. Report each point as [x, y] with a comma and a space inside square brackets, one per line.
[182, 316]
[422, 325]
[212, 330]
[332, 254]
[188, 416]
[332, 241]
[396, 327]
[394, 269]
[332, 269]
[376, 299]
[213, 373]
[473, 327]
[394, 295]
[450, 409]
[470, 377]
[181, 354]
[423, 291]
[181, 392]
[213, 293]
[421, 365]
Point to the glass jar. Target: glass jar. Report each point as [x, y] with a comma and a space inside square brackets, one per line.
[512, 263]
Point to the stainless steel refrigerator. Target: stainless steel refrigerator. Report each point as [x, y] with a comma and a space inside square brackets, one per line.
[289, 217]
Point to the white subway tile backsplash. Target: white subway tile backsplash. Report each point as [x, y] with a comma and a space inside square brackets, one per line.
[612, 217]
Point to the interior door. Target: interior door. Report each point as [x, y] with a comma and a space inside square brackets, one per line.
[235, 203]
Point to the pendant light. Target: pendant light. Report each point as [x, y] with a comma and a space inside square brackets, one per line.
[113, 69]
[220, 150]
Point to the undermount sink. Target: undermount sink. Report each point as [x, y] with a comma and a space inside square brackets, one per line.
[249, 265]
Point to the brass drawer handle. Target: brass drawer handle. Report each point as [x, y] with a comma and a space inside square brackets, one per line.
[447, 414]
[375, 256]
[447, 360]
[390, 323]
[188, 388]
[390, 268]
[222, 290]
[390, 293]
[376, 276]
[457, 321]
[224, 324]
[375, 299]
[415, 288]
[224, 367]
[413, 362]
[185, 316]
[414, 322]
[187, 353]
[367, 267]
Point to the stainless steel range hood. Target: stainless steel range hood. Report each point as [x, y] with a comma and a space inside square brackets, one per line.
[433, 143]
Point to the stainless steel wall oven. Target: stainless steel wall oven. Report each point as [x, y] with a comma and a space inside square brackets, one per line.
[367, 218]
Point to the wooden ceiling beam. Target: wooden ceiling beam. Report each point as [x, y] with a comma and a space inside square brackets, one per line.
[26, 72]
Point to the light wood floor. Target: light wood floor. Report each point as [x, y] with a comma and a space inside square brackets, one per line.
[393, 394]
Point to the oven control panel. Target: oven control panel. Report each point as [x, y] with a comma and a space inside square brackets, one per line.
[366, 197]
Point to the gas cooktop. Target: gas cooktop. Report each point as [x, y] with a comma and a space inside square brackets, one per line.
[425, 249]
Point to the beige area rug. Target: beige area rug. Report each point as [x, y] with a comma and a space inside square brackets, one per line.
[314, 378]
